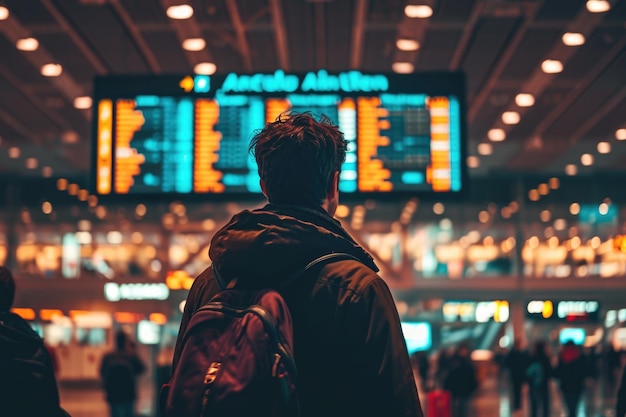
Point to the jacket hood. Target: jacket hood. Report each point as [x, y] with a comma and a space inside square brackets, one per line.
[267, 245]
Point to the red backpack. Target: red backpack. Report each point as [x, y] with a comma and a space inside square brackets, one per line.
[237, 356]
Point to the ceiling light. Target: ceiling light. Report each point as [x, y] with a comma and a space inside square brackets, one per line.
[4, 13]
[485, 149]
[205, 68]
[473, 162]
[69, 136]
[46, 172]
[407, 45]
[554, 183]
[598, 6]
[510, 117]
[402, 67]
[83, 102]
[51, 70]
[551, 66]
[524, 100]
[14, 152]
[586, 159]
[571, 169]
[420, 11]
[620, 134]
[182, 11]
[27, 44]
[574, 208]
[31, 163]
[194, 44]
[604, 147]
[496, 135]
[573, 39]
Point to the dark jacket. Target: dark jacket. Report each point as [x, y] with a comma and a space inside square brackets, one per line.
[348, 344]
[572, 369]
[119, 370]
[28, 386]
[461, 377]
[539, 378]
[620, 406]
[517, 361]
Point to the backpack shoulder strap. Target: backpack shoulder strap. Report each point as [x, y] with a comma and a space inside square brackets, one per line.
[330, 257]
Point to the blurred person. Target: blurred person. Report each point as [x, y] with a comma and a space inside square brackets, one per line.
[349, 349]
[421, 363]
[119, 370]
[539, 373]
[516, 361]
[461, 381]
[28, 387]
[571, 372]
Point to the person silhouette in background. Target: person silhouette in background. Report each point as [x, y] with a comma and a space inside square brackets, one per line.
[571, 372]
[516, 362]
[620, 406]
[28, 387]
[119, 370]
[539, 373]
[461, 381]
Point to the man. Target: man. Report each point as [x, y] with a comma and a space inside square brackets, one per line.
[517, 363]
[28, 386]
[118, 371]
[348, 344]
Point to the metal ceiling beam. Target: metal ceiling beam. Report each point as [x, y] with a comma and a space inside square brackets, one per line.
[240, 30]
[358, 33]
[485, 90]
[136, 36]
[280, 34]
[18, 126]
[78, 40]
[186, 29]
[468, 30]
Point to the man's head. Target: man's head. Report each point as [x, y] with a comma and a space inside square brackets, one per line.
[7, 289]
[299, 160]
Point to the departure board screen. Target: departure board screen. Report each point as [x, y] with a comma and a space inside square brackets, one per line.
[189, 134]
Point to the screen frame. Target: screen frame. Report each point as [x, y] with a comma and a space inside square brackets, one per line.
[443, 83]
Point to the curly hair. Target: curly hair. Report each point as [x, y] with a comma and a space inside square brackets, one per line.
[297, 157]
[7, 289]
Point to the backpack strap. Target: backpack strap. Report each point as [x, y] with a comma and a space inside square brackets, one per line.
[330, 257]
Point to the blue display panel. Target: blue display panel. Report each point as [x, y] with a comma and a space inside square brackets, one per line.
[189, 134]
[417, 335]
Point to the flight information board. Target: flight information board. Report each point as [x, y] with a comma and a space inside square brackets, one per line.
[189, 134]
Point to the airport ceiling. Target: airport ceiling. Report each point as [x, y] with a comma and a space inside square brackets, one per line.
[499, 44]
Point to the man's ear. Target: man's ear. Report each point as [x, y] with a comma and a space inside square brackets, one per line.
[333, 186]
[262, 182]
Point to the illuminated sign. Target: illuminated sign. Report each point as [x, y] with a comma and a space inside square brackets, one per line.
[564, 310]
[141, 291]
[189, 134]
[471, 311]
[619, 243]
[417, 336]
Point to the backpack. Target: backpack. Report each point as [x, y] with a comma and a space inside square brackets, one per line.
[534, 373]
[237, 355]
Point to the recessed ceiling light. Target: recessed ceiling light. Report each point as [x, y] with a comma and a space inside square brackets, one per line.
[194, 44]
[510, 117]
[51, 70]
[14, 152]
[83, 102]
[27, 44]
[620, 134]
[571, 169]
[573, 39]
[402, 67]
[496, 135]
[485, 149]
[552, 66]
[473, 162]
[407, 45]
[525, 100]
[205, 68]
[598, 6]
[604, 147]
[182, 11]
[420, 11]
[586, 159]
[69, 136]
[574, 208]
[46, 172]
[4, 13]
[31, 163]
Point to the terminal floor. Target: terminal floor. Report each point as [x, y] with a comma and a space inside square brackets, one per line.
[492, 400]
